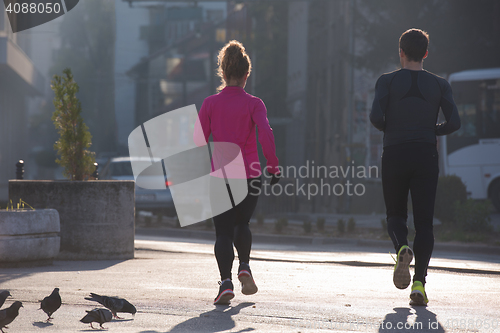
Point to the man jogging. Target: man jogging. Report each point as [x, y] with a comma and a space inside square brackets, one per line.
[405, 108]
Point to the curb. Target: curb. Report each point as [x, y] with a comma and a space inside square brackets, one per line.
[307, 240]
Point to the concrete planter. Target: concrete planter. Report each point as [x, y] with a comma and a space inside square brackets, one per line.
[97, 217]
[28, 237]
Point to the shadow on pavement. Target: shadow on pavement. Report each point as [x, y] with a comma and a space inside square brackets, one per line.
[5, 276]
[216, 320]
[42, 324]
[83, 265]
[121, 320]
[427, 317]
[425, 321]
[9, 274]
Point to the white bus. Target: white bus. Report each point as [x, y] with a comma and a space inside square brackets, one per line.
[473, 152]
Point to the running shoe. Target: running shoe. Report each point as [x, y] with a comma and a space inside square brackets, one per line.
[402, 277]
[418, 295]
[248, 286]
[225, 293]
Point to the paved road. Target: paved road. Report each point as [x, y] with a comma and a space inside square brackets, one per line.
[365, 220]
[306, 288]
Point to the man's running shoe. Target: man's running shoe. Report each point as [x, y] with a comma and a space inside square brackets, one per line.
[402, 277]
[418, 295]
[248, 286]
[225, 292]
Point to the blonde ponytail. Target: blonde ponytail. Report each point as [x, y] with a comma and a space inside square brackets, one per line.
[234, 62]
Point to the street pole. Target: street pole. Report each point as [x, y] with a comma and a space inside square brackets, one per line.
[351, 97]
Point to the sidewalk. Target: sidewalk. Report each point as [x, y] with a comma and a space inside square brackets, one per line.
[385, 245]
[365, 220]
[309, 250]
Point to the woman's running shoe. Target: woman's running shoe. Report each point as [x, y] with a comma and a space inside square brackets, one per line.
[402, 277]
[225, 292]
[248, 286]
[418, 295]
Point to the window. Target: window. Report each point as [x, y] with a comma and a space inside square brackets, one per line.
[215, 15]
[478, 104]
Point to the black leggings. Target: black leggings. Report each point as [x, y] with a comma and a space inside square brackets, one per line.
[411, 167]
[231, 227]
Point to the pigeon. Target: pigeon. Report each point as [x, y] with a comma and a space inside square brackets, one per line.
[100, 316]
[115, 304]
[9, 314]
[51, 303]
[3, 296]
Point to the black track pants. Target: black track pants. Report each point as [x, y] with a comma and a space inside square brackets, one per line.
[411, 167]
[231, 227]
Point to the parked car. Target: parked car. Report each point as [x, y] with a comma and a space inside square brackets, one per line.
[156, 201]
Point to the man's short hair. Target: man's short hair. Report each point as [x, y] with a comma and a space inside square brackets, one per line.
[414, 43]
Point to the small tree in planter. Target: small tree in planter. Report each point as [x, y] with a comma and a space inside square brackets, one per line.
[75, 138]
[96, 217]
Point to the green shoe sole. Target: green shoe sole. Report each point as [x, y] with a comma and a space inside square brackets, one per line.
[418, 295]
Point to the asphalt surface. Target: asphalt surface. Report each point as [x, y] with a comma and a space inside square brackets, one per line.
[366, 220]
[305, 287]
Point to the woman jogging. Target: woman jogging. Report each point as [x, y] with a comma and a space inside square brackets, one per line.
[406, 106]
[231, 116]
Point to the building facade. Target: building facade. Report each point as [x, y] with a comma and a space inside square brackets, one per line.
[20, 81]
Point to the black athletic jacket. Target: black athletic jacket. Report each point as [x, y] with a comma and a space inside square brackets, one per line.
[406, 107]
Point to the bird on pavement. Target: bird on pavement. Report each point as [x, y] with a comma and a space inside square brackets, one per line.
[115, 304]
[7, 315]
[100, 316]
[3, 296]
[51, 303]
